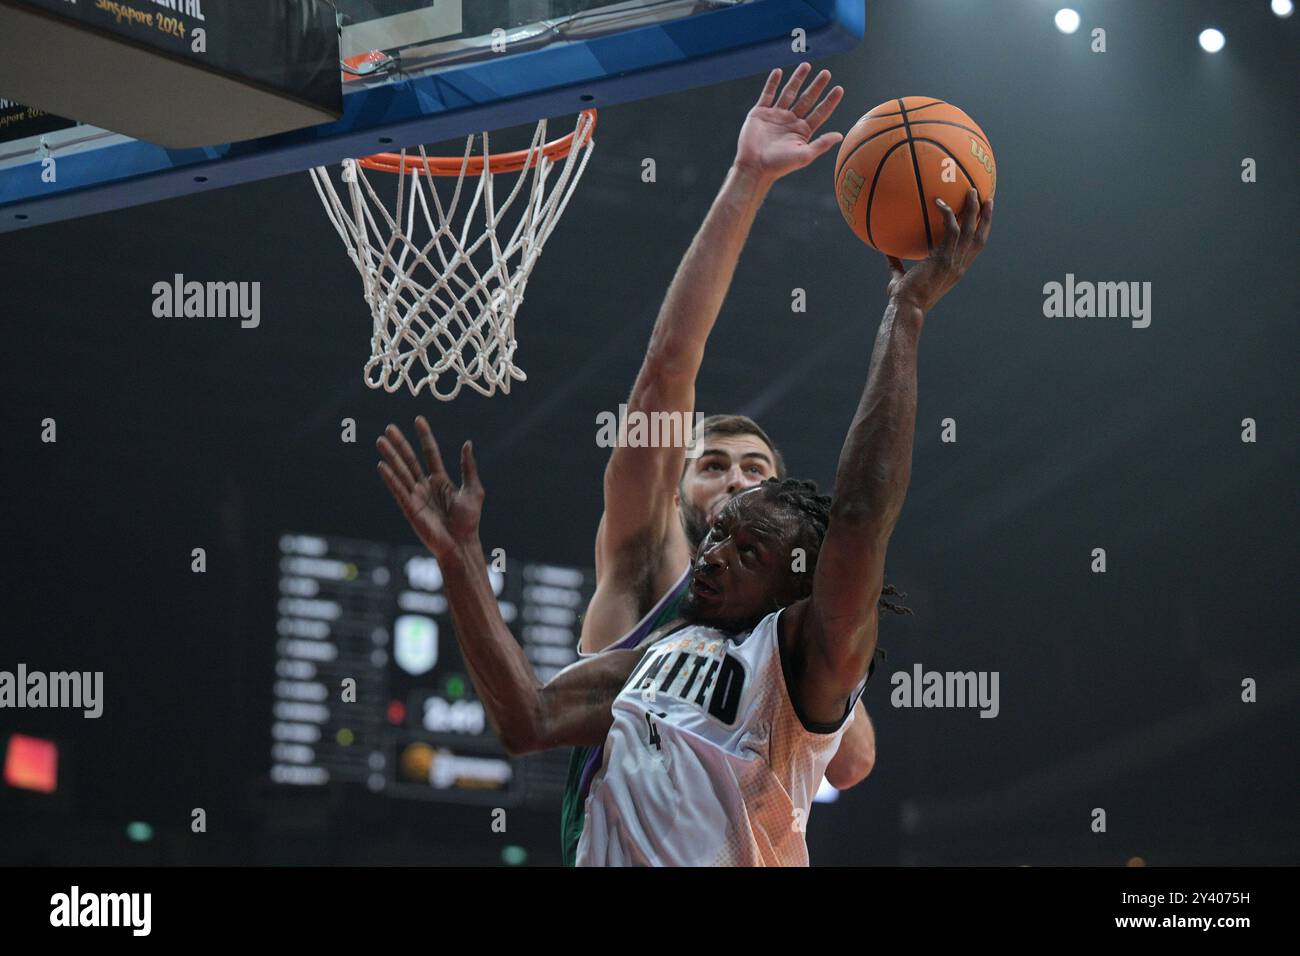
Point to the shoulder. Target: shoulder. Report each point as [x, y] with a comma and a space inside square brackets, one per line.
[603, 614]
[789, 624]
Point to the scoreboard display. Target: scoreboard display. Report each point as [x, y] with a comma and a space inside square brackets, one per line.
[370, 686]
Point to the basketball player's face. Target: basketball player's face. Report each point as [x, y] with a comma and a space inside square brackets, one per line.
[728, 465]
[742, 569]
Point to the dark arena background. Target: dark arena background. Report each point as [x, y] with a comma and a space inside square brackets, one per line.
[1161, 687]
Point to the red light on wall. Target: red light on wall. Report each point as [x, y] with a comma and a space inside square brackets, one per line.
[32, 764]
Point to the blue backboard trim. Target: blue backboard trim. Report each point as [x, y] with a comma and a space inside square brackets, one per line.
[558, 80]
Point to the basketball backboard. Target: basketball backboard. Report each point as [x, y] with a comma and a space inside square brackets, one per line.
[424, 71]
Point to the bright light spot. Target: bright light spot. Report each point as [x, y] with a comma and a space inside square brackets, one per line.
[1067, 21]
[826, 793]
[1282, 8]
[514, 856]
[1211, 41]
[139, 832]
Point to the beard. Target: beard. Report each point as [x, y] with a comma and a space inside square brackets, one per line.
[695, 522]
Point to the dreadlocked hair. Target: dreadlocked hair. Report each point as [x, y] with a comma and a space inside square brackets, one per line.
[894, 607]
[801, 497]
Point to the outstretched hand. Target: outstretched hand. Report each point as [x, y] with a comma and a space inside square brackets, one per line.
[929, 280]
[777, 136]
[443, 516]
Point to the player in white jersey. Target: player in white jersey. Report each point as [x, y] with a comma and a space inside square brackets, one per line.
[735, 455]
[780, 634]
[708, 704]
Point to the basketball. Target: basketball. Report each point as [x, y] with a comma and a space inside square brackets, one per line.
[900, 157]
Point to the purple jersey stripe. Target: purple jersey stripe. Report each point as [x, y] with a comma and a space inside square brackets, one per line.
[633, 639]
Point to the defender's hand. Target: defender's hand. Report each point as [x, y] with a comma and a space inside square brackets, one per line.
[777, 136]
[443, 516]
[929, 281]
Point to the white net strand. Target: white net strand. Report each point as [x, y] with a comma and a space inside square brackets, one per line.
[435, 314]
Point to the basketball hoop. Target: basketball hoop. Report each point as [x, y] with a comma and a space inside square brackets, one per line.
[436, 312]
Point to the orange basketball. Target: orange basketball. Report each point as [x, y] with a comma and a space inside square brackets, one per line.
[897, 160]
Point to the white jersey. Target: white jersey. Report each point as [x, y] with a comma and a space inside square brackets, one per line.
[707, 763]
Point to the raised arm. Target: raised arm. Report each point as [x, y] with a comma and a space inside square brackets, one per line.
[640, 546]
[856, 756]
[571, 709]
[836, 628]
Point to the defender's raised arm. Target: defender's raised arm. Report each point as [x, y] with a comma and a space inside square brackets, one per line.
[640, 546]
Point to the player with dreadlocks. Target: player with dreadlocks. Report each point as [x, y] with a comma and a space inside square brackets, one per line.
[717, 733]
[802, 495]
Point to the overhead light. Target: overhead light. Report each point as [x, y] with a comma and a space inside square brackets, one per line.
[1211, 41]
[1282, 8]
[1067, 21]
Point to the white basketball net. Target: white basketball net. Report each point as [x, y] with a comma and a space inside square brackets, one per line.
[440, 320]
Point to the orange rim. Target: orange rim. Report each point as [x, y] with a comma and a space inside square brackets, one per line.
[359, 62]
[451, 165]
